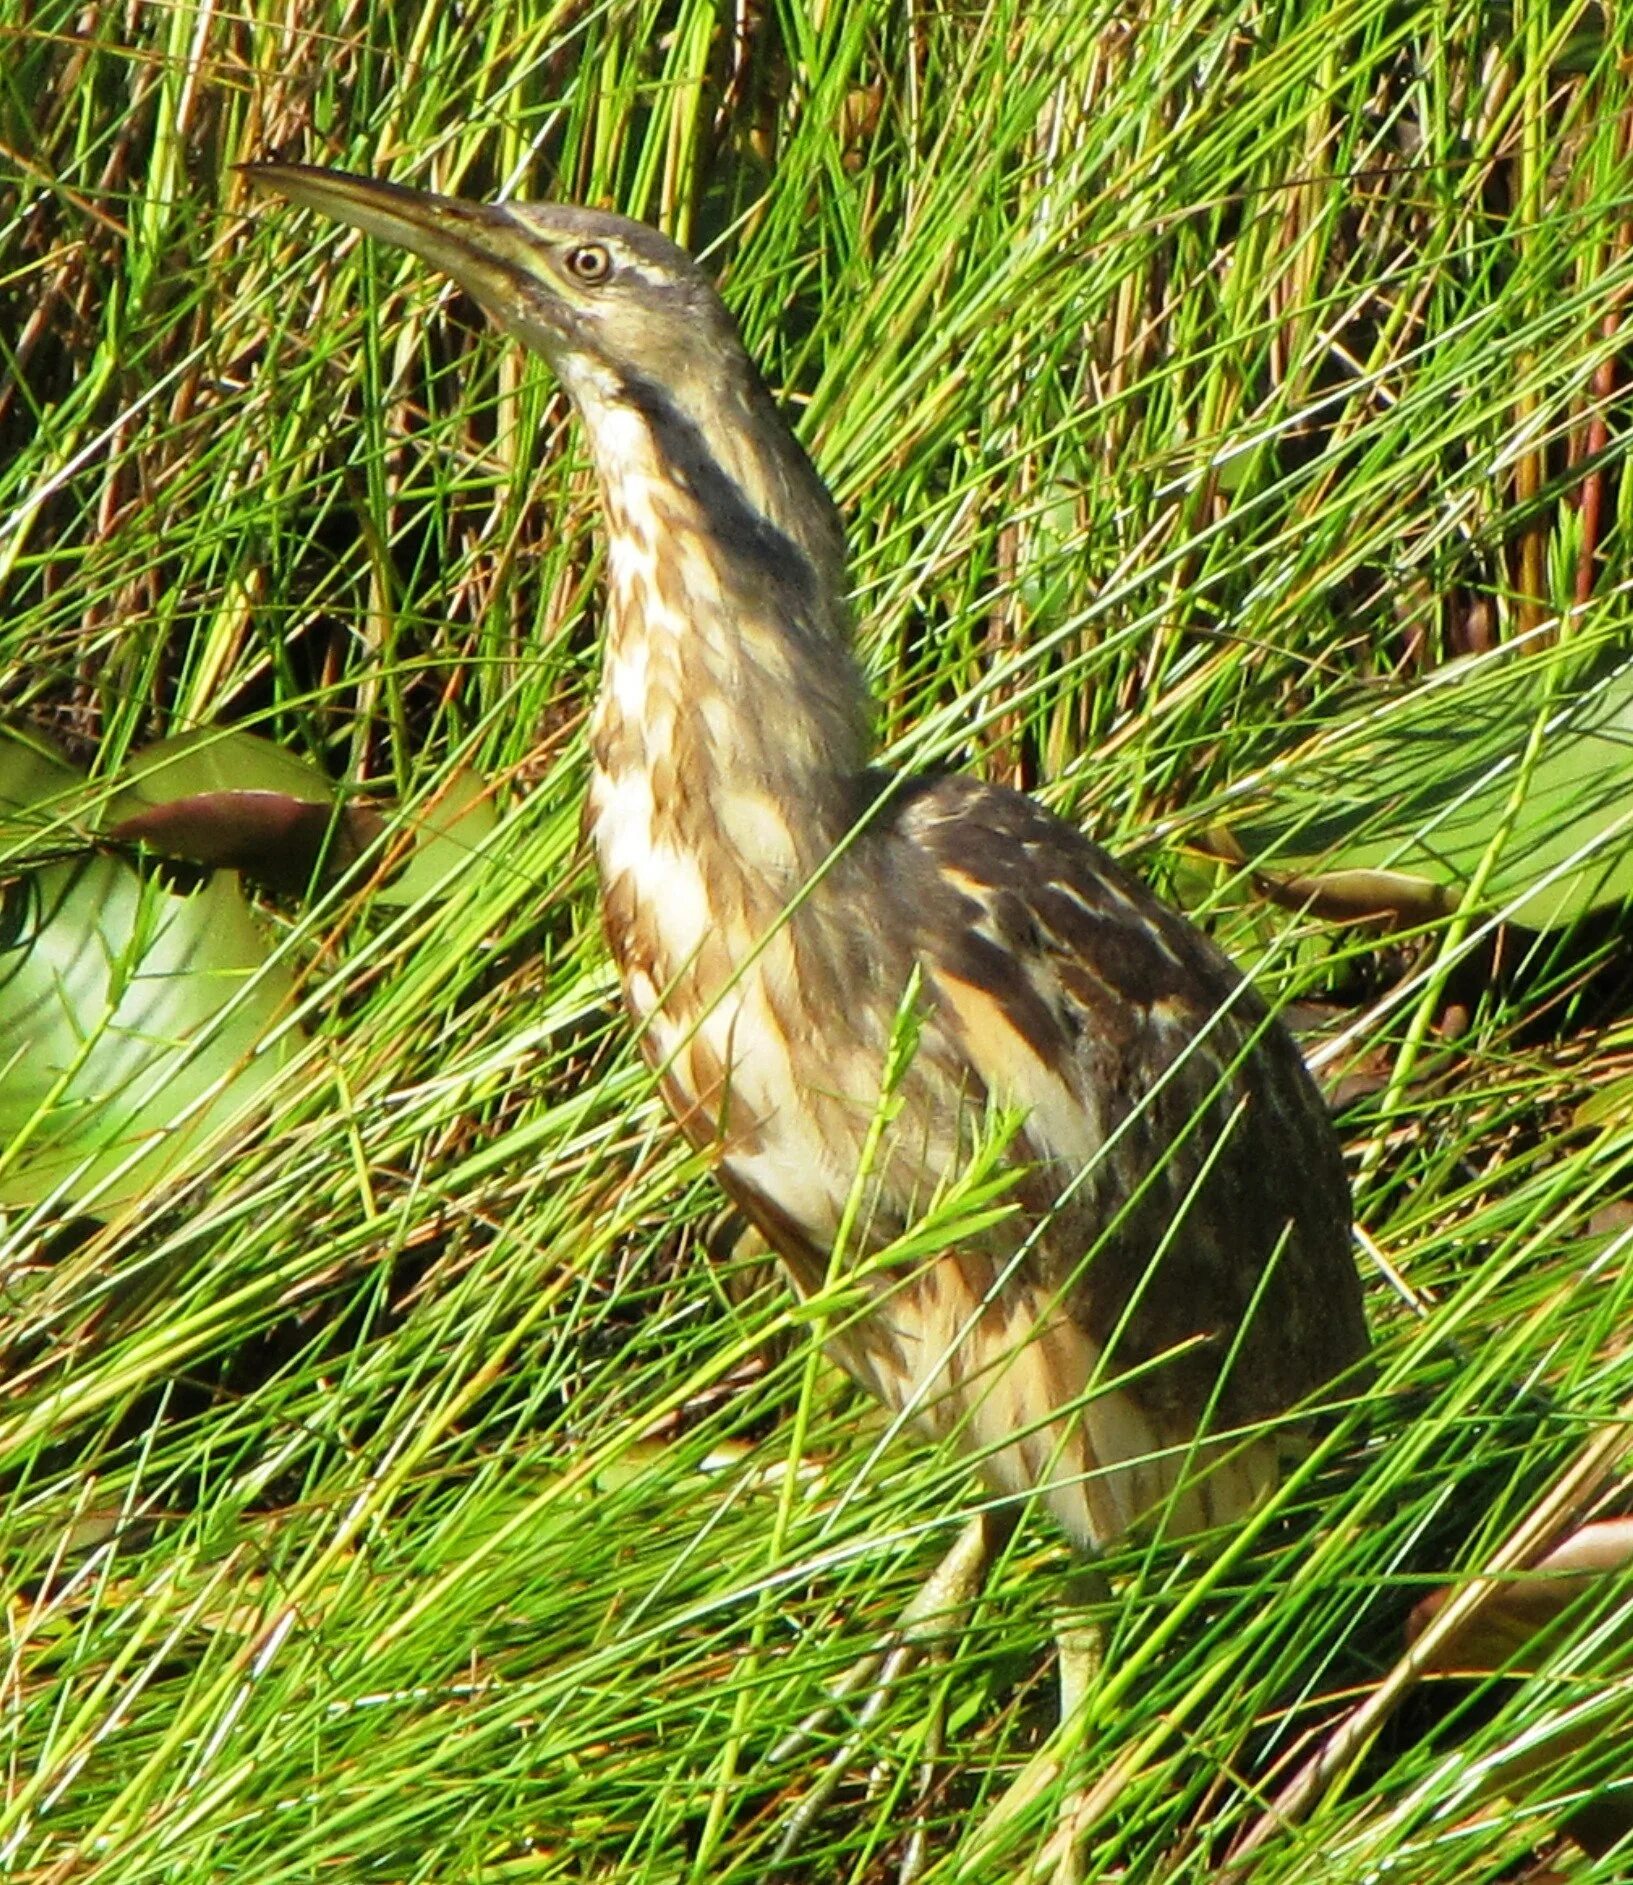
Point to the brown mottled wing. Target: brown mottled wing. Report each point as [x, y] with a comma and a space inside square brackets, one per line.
[1155, 1078]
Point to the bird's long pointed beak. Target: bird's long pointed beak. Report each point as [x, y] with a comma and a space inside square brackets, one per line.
[480, 245]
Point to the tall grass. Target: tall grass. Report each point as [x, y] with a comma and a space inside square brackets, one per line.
[407, 1490]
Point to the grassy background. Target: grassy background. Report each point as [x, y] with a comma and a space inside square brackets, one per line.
[404, 1492]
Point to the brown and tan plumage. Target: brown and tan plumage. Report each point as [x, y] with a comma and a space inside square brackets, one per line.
[1180, 1269]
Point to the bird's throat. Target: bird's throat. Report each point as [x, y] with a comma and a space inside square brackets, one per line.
[728, 734]
[747, 732]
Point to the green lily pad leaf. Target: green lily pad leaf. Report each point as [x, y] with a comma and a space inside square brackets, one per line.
[222, 798]
[38, 788]
[234, 801]
[135, 1022]
[209, 760]
[450, 835]
[1393, 814]
[281, 842]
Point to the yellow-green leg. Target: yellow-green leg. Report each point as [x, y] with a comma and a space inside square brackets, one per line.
[934, 1618]
[1080, 1647]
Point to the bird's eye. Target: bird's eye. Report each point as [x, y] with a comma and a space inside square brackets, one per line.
[589, 263]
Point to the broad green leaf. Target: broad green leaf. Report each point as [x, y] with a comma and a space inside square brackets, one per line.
[231, 800]
[36, 787]
[135, 1021]
[451, 832]
[1395, 812]
[213, 759]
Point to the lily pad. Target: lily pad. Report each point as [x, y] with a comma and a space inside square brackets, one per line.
[39, 791]
[135, 1022]
[231, 800]
[212, 759]
[449, 836]
[234, 801]
[1394, 813]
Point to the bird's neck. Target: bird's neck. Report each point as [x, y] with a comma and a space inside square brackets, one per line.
[732, 722]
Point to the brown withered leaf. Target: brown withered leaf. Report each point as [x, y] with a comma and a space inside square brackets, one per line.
[1517, 1616]
[280, 842]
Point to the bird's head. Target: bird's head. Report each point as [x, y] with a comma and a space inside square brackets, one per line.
[631, 325]
[607, 301]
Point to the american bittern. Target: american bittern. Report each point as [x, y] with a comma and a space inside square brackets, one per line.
[1129, 1344]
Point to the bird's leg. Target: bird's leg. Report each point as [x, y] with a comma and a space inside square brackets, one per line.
[1080, 1637]
[1080, 1646]
[933, 1618]
[1081, 1640]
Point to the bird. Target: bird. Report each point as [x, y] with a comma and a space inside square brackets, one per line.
[1137, 1341]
